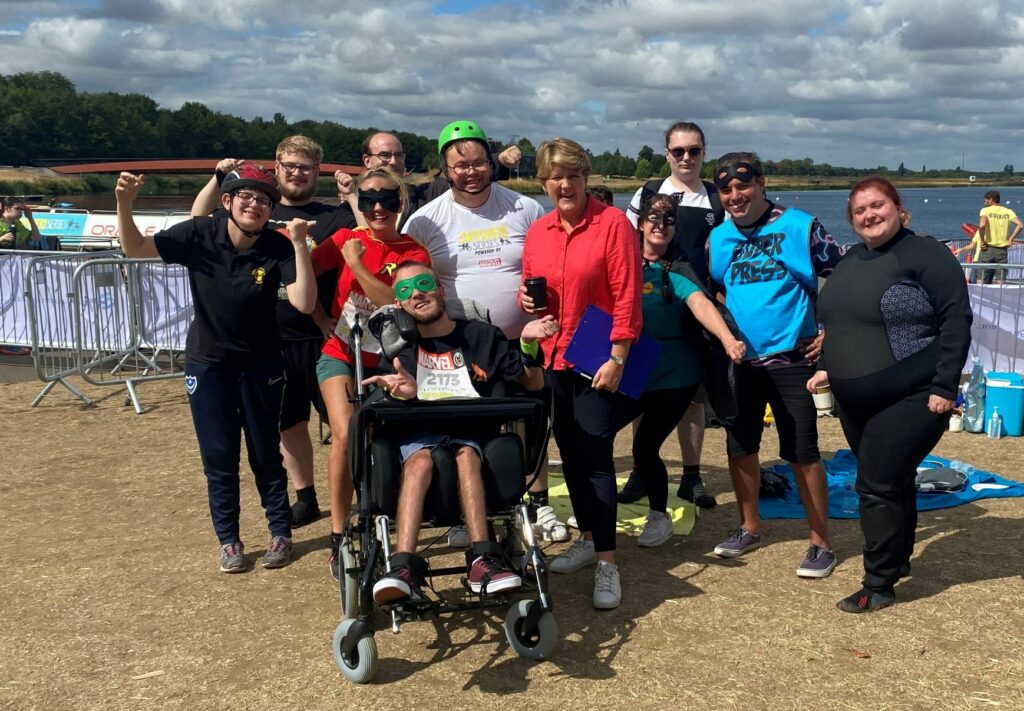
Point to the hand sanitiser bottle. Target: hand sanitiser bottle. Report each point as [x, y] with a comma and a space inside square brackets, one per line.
[995, 425]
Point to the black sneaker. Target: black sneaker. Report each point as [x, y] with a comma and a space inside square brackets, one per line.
[865, 600]
[304, 513]
[692, 488]
[633, 490]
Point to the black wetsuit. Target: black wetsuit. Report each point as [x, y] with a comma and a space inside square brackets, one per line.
[897, 329]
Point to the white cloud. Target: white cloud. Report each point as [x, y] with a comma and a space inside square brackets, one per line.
[846, 82]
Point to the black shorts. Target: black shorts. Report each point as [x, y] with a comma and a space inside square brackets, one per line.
[302, 389]
[785, 389]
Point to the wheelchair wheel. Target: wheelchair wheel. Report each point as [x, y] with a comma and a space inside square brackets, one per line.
[541, 643]
[349, 585]
[362, 664]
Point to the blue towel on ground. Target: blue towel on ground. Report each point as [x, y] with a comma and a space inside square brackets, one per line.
[980, 485]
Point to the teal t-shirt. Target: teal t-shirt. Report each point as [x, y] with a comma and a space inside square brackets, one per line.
[678, 364]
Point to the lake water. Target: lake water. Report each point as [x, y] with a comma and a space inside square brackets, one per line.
[936, 211]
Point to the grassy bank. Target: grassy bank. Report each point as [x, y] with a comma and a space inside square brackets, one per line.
[13, 183]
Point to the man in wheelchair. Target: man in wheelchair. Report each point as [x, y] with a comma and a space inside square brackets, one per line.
[451, 359]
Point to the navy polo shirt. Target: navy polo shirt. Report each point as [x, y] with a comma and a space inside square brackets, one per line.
[234, 291]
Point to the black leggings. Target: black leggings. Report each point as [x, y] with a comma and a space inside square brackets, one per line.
[889, 444]
[584, 422]
[660, 412]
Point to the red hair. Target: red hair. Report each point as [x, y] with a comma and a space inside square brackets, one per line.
[874, 182]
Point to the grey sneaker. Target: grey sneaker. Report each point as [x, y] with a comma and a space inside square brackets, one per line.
[578, 556]
[818, 563]
[279, 552]
[607, 587]
[458, 537]
[232, 558]
[737, 543]
[657, 530]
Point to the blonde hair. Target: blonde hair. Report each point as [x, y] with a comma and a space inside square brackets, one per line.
[385, 173]
[301, 144]
[563, 152]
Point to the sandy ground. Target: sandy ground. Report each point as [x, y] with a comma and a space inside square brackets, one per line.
[111, 597]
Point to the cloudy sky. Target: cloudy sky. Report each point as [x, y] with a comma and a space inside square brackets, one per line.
[858, 83]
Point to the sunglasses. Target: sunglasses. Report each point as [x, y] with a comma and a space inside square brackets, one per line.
[390, 199]
[665, 219]
[424, 283]
[679, 152]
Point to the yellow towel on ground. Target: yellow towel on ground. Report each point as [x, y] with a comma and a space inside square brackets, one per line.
[630, 517]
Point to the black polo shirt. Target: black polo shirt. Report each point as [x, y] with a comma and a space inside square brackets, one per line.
[234, 291]
[294, 325]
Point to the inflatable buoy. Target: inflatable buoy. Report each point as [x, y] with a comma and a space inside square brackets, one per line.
[968, 229]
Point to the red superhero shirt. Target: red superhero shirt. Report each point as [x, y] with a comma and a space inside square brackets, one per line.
[380, 258]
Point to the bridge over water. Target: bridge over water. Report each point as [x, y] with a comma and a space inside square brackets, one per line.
[197, 166]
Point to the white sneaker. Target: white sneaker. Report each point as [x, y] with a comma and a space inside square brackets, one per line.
[607, 589]
[657, 530]
[571, 523]
[458, 537]
[579, 555]
[548, 527]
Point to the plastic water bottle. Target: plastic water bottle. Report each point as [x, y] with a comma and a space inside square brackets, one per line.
[995, 425]
[851, 502]
[963, 467]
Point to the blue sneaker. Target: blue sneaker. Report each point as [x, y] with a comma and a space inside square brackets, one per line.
[738, 542]
[818, 563]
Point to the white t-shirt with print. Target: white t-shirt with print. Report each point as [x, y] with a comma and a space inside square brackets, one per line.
[478, 252]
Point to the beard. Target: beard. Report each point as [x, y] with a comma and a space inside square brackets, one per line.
[429, 317]
[298, 194]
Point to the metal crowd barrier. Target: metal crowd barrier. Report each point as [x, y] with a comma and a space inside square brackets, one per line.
[47, 286]
[109, 319]
[997, 334]
[131, 320]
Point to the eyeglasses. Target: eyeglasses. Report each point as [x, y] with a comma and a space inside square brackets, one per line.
[666, 219]
[249, 198]
[386, 156]
[462, 168]
[425, 283]
[680, 151]
[300, 168]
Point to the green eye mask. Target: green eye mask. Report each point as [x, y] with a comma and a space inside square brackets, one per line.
[424, 282]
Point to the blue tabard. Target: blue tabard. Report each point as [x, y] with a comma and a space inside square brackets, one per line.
[772, 309]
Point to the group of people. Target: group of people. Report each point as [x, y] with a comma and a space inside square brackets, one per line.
[694, 266]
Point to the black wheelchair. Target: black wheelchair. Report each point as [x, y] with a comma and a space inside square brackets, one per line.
[511, 456]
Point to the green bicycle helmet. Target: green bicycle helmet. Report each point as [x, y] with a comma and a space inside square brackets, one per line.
[457, 131]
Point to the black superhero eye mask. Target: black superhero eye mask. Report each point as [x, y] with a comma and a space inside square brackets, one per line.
[390, 200]
[743, 172]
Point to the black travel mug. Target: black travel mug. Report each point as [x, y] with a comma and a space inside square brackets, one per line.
[537, 289]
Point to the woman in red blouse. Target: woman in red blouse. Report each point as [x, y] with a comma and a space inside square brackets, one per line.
[588, 253]
[365, 259]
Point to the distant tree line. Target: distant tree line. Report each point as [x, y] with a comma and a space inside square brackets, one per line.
[45, 117]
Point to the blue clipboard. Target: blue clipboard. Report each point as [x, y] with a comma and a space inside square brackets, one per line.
[591, 345]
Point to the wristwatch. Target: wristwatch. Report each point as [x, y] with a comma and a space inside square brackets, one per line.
[617, 360]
